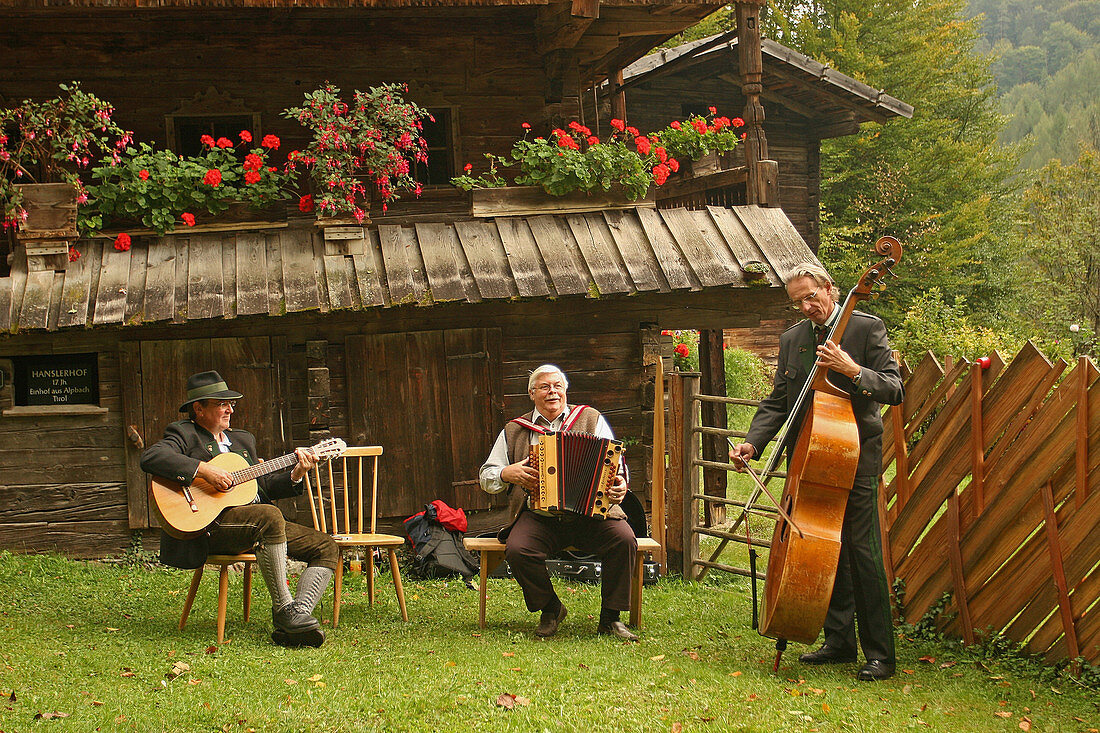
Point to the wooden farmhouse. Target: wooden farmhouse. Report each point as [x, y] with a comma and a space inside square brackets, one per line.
[415, 332]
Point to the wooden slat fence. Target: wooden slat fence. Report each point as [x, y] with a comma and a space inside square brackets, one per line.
[994, 498]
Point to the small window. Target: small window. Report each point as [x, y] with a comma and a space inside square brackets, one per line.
[190, 129]
[440, 167]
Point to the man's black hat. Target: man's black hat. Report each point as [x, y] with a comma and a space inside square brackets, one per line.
[207, 386]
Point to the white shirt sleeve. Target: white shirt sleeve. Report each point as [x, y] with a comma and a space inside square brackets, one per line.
[494, 464]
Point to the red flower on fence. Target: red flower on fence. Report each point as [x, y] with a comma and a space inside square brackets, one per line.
[74, 254]
[122, 242]
[188, 219]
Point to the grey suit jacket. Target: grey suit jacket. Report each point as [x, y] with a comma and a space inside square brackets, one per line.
[865, 341]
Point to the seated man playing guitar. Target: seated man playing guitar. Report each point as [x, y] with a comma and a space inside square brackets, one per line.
[184, 456]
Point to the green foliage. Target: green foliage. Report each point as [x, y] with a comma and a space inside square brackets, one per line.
[1058, 252]
[932, 323]
[53, 140]
[161, 189]
[376, 139]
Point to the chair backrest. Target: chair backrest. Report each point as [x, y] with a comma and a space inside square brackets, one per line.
[345, 488]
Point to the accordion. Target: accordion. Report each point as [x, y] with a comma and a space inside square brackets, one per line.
[576, 471]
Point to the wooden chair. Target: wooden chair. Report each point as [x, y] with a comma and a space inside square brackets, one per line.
[335, 489]
[222, 562]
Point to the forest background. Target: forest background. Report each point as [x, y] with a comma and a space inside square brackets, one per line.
[993, 185]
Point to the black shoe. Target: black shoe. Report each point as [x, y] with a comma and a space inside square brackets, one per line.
[311, 637]
[875, 669]
[827, 655]
[617, 628]
[291, 619]
[548, 624]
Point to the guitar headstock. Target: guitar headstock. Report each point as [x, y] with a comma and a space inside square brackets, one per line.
[328, 449]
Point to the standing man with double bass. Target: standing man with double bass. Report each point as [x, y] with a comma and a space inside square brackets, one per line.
[862, 365]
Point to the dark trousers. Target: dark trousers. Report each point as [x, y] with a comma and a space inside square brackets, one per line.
[860, 594]
[243, 527]
[534, 537]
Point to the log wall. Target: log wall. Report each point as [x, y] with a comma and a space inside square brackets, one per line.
[63, 478]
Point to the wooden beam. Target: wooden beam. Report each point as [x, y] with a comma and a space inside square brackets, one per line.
[1054, 548]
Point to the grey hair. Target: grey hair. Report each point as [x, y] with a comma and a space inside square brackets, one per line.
[546, 369]
[815, 272]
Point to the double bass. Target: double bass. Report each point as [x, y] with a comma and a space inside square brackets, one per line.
[805, 546]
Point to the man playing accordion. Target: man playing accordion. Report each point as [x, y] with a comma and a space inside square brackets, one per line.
[533, 535]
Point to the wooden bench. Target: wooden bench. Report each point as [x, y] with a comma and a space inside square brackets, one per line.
[492, 554]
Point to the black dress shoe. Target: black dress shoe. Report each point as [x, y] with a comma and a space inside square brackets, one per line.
[875, 669]
[617, 628]
[291, 619]
[827, 655]
[548, 624]
[310, 637]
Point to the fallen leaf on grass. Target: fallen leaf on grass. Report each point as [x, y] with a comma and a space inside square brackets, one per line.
[948, 665]
[657, 658]
[290, 681]
[50, 716]
[691, 655]
[126, 673]
[194, 682]
[735, 674]
[825, 707]
[927, 660]
[96, 703]
[508, 701]
[906, 689]
[508, 654]
[1025, 724]
[1003, 714]
[907, 671]
[316, 677]
[677, 728]
[212, 649]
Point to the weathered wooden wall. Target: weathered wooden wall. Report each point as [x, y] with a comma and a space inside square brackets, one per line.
[791, 138]
[63, 479]
[480, 62]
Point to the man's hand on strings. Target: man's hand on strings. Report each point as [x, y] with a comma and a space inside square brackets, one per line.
[831, 356]
[306, 461]
[522, 474]
[741, 454]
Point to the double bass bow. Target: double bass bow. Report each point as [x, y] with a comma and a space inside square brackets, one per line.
[805, 547]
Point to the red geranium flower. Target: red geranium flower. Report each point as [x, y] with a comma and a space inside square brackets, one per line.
[673, 164]
[252, 162]
[526, 125]
[207, 140]
[618, 125]
[188, 219]
[305, 204]
[74, 254]
[122, 242]
[700, 126]
[246, 136]
[682, 350]
[713, 110]
[675, 124]
[660, 174]
[251, 177]
[468, 167]
[224, 142]
[143, 174]
[213, 177]
[738, 122]
[633, 131]
[643, 144]
[593, 140]
[271, 142]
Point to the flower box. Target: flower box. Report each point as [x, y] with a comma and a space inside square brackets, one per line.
[532, 200]
[238, 217]
[51, 211]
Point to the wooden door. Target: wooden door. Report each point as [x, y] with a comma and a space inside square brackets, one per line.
[154, 384]
[432, 400]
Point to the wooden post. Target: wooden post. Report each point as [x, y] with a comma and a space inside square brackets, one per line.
[901, 457]
[657, 495]
[1081, 489]
[1054, 547]
[618, 97]
[752, 68]
[958, 578]
[713, 414]
[691, 484]
[674, 538]
[977, 442]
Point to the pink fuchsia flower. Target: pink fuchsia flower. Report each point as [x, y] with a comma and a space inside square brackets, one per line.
[213, 177]
[251, 177]
[143, 174]
[224, 142]
[188, 219]
[682, 350]
[207, 141]
[271, 142]
[245, 136]
[82, 198]
[122, 242]
[305, 204]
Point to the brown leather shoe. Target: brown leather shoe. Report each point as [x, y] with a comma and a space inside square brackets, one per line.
[548, 625]
[617, 628]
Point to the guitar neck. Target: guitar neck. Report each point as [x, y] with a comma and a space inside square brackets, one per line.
[263, 468]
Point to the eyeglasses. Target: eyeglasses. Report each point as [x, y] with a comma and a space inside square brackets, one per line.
[545, 388]
[805, 300]
[222, 404]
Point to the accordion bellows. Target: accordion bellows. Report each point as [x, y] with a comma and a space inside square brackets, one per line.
[575, 472]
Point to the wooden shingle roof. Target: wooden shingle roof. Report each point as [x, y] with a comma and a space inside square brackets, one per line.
[193, 276]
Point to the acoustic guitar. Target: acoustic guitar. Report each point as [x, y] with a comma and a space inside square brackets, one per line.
[185, 511]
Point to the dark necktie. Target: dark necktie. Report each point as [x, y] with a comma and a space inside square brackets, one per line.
[820, 332]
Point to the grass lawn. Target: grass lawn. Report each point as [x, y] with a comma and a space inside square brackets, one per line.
[94, 646]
